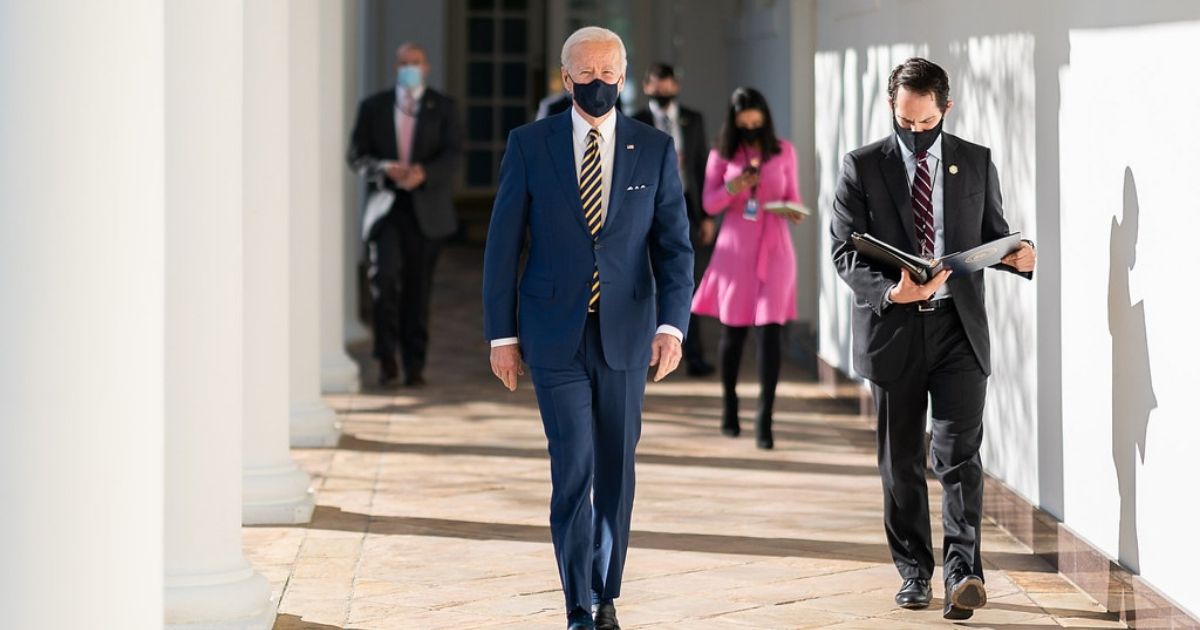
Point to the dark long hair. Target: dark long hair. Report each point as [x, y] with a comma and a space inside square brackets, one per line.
[747, 98]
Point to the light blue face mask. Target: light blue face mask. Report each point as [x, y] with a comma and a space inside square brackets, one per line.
[408, 77]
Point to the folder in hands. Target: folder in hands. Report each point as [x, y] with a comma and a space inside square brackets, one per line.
[922, 270]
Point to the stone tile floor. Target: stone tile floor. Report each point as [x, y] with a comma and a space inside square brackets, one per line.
[432, 512]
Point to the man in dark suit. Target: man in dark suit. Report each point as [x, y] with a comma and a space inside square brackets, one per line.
[408, 140]
[553, 104]
[605, 293]
[928, 193]
[686, 127]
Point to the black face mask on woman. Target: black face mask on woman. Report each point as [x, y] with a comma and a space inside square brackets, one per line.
[917, 141]
[748, 135]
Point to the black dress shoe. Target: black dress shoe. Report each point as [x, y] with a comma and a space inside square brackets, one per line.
[580, 620]
[389, 372]
[415, 380]
[700, 368]
[606, 617]
[914, 593]
[964, 594]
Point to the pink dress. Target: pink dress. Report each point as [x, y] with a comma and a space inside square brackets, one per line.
[751, 279]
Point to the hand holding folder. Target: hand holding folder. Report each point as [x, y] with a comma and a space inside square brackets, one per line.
[922, 270]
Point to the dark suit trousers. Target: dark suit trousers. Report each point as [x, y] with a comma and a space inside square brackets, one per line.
[592, 416]
[943, 371]
[401, 273]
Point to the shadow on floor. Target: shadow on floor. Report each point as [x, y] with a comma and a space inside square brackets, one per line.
[354, 443]
[333, 518]
[293, 622]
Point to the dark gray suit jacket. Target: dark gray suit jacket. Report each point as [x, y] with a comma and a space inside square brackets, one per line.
[695, 157]
[873, 197]
[437, 146]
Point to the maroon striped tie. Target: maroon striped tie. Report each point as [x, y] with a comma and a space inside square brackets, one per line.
[922, 196]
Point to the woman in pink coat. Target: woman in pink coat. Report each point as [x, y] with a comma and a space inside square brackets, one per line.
[751, 279]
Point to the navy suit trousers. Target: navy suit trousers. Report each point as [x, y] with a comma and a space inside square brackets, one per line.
[592, 415]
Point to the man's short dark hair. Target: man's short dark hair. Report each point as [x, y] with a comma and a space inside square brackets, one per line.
[660, 71]
[921, 76]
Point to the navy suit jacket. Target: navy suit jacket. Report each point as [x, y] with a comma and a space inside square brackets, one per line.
[643, 251]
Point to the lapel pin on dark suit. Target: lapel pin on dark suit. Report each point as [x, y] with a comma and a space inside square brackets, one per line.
[954, 169]
[629, 147]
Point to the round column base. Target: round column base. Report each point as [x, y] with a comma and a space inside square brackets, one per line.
[339, 375]
[236, 600]
[314, 425]
[276, 495]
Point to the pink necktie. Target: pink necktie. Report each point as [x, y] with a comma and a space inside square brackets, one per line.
[407, 117]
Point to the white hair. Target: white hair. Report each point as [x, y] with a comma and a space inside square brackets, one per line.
[591, 34]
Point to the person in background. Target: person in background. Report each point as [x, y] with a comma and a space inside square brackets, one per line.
[686, 127]
[409, 140]
[924, 346]
[556, 103]
[751, 281]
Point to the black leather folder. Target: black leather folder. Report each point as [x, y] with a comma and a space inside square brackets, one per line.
[964, 262]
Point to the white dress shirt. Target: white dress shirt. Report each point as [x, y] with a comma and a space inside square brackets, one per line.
[933, 161]
[579, 135]
[667, 121]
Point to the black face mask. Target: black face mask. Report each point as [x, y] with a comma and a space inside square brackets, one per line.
[917, 141]
[663, 100]
[595, 97]
[749, 136]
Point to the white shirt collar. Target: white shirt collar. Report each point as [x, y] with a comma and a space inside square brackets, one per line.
[935, 150]
[581, 127]
[672, 110]
[403, 95]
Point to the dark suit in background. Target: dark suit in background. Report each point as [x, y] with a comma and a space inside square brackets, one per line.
[553, 104]
[403, 246]
[912, 357]
[693, 160]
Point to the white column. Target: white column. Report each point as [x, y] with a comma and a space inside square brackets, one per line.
[81, 283]
[339, 374]
[355, 331]
[313, 423]
[274, 490]
[209, 584]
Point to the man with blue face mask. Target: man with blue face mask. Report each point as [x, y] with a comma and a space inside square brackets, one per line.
[407, 141]
[605, 293]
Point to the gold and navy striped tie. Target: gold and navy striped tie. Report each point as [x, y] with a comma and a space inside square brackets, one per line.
[590, 183]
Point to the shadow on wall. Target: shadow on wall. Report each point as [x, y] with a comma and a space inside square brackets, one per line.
[1132, 387]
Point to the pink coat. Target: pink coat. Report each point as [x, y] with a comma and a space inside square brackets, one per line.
[751, 279]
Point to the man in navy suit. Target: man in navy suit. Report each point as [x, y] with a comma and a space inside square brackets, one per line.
[605, 293]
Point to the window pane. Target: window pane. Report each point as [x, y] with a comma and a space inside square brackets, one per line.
[514, 36]
[513, 80]
[480, 82]
[479, 168]
[479, 123]
[511, 118]
[481, 35]
[482, 5]
[516, 5]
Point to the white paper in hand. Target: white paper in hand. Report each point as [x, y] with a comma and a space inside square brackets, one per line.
[378, 205]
